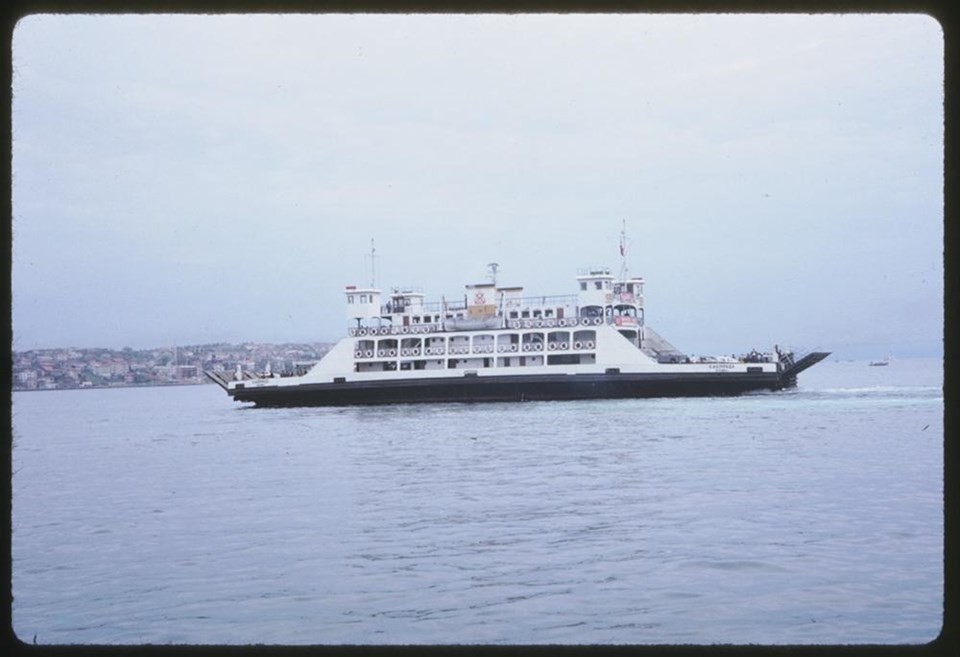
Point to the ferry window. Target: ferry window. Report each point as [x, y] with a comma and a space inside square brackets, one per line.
[513, 314]
[349, 298]
[548, 312]
[599, 285]
[363, 298]
[583, 285]
[525, 314]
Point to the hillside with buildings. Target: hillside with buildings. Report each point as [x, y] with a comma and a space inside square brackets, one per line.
[64, 368]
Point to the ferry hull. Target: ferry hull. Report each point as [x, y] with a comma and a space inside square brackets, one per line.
[511, 388]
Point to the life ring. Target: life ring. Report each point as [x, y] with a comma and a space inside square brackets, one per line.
[563, 345]
[597, 321]
[585, 321]
[404, 329]
[538, 346]
[589, 344]
[538, 323]
[479, 299]
[358, 353]
[578, 345]
[552, 346]
[526, 347]
[513, 347]
[369, 353]
[415, 351]
[392, 352]
[551, 323]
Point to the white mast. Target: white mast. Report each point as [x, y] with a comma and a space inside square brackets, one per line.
[623, 251]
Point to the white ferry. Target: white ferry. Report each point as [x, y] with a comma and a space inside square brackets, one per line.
[500, 344]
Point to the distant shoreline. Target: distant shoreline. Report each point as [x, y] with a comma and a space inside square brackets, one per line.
[121, 385]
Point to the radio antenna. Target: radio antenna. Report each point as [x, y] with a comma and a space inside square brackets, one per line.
[493, 267]
[373, 264]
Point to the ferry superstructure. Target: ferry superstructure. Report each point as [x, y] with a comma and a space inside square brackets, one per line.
[499, 344]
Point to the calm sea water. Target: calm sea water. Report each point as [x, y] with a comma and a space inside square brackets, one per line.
[173, 515]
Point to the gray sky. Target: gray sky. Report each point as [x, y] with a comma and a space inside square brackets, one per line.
[187, 179]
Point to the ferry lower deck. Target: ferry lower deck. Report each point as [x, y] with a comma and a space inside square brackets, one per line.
[505, 388]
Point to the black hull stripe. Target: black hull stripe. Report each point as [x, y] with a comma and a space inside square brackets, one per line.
[511, 388]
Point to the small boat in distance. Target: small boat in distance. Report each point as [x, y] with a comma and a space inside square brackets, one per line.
[499, 344]
[880, 363]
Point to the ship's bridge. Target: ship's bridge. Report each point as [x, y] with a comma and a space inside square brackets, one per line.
[596, 291]
[404, 301]
[362, 303]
